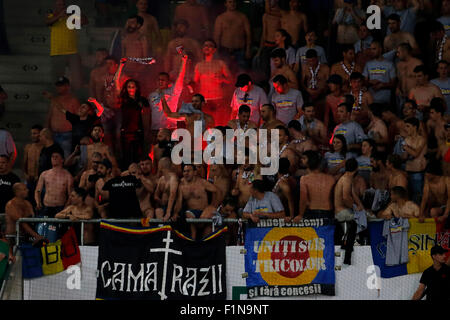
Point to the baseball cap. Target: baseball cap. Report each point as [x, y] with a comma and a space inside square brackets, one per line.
[335, 78]
[437, 249]
[242, 80]
[107, 163]
[62, 81]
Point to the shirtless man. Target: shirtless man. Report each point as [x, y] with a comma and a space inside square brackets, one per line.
[56, 121]
[436, 123]
[96, 75]
[268, 116]
[444, 152]
[97, 135]
[314, 76]
[415, 148]
[31, 155]
[191, 48]
[285, 151]
[144, 193]
[379, 175]
[58, 184]
[400, 207]
[442, 45]
[271, 22]
[313, 127]
[149, 27]
[210, 76]
[103, 175]
[162, 147]
[278, 57]
[232, 33]
[397, 177]
[192, 196]
[316, 191]
[219, 176]
[377, 129]
[346, 67]
[86, 182]
[135, 44]
[284, 188]
[424, 91]
[166, 190]
[345, 196]
[362, 98]
[294, 21]
[196, 16]
[18, 207]
[333, 99]
[436, 193]
[245, 177]
[405, 71]
[299, 141]
[243, 121]
[397, 36]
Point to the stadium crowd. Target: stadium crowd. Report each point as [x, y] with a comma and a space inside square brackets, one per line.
[363, 118]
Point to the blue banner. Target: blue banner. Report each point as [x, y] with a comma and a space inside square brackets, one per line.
[286, 259]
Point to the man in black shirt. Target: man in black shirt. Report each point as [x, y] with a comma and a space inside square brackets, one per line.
[123, 200]
[45, 158]
[435, 281]
[7, 180]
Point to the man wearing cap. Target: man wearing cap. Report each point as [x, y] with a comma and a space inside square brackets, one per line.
[287, 101]
[435, 281]
[249, 94]
[56, 121]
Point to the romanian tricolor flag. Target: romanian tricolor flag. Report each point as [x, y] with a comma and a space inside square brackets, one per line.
[52, 258]
[421, 238]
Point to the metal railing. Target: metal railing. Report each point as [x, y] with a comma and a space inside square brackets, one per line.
[150, 221]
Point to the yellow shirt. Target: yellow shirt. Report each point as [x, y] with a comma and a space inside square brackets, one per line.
[63, 41]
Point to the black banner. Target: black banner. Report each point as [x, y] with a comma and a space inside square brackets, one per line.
[159, 264]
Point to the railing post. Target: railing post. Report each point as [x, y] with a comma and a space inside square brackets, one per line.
[82, 233]
[17, 232]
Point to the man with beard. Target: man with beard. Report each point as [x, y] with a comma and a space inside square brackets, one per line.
[191, 48]
[196, 15]
[134, 43]
[86, 182]
[313, 127]
[379, 176]
[166, 190]
[346, 67]
[314, 76]
[163, 146]
[101, 176]
[97, 134]
[243, 120]
[268, 116]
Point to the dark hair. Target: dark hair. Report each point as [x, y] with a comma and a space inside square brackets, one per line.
[271, 107]
[163, 73]
[434, 167]
[138, 18]
[379, 43]
[437, 104]
[244, 108]
[4, 156]
[347, 48]
[124, 96]
[212, 41]
[295, 124]
[394, 17]
[442, 61]
[101, 50]
[112, 58]
[406, 46]
[435, 26]
[181, 21]
[413, 121]
[259, 185]
[99, 126]
[145, 157]
[371, 142]
[311, 53]
[344, 143]
[280, 79]
[231, 201]
[308, 104]
[314, 159]
[183, 165]
[376, 109]
[379, 156]
[348, 106]
[412, 102]
[80, 192]
[60, 152]
[421, 68]
[284, 165]
[351, 165]
[37, 127]
[202, 98]
[288, 38]
[283, 128]
[387, 108]
[400, 191]
[356, 76]
[278, 53]
[395, 160]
